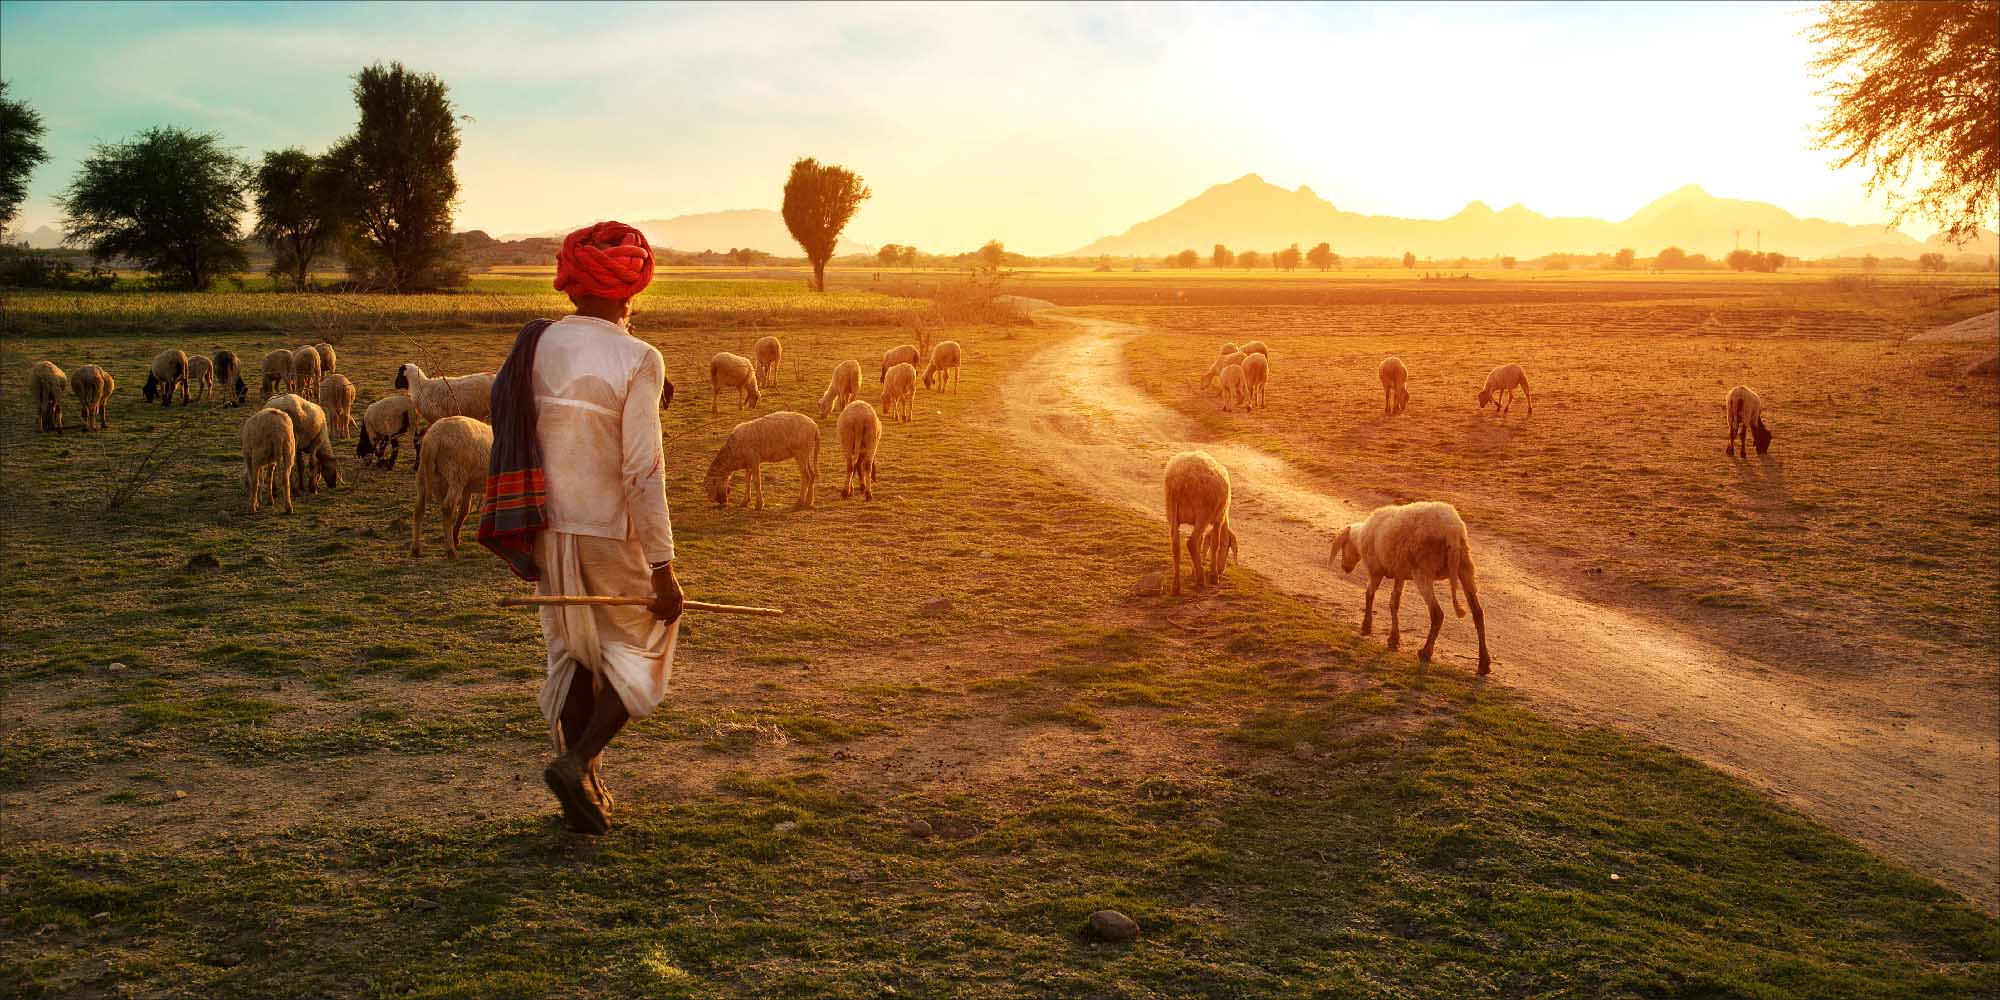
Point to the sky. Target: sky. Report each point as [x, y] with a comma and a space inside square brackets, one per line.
[1043, 126]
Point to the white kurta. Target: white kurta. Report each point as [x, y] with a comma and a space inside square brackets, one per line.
[597, 395]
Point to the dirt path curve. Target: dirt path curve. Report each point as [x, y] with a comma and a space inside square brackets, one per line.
[1916, 779]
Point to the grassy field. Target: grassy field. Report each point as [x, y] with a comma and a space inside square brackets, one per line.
[312, 771]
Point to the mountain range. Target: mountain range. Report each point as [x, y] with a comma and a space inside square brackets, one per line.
[1251, 213]
[746, 228]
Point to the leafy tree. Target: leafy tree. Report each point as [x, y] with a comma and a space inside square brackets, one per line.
[747, 256]
[1622, 260]
[169, 199]
[1696, 261]
[1772, 261]
[1507, 263]
[1870, 263]
[398, 182]
[1288, 258]
[1916, 91]
[298, 210]
[1320, 256]
[890, 254]
[1186, 258]
[1409, 259]
[1222, 256]
[21, 151]
[1671, 259]
[819, 202]
[1249, 259]
[1931, 262]
[992, 257]
[909, 256]
[1743, 260]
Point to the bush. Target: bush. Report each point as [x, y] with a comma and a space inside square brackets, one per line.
[21, 267]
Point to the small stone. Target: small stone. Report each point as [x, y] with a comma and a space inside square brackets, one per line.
[101, 918]
[117, 666]
[1148, 585]
[1614, 876]
[203, 562]
[1111, 925]
[785, 827]
[918, 828]
[935, 607]
[1303, 750]
[178, 795]
[424, 904]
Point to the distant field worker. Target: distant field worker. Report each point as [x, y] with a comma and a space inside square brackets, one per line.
[576, 501]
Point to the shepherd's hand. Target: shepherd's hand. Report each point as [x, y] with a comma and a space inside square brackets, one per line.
[667, 595]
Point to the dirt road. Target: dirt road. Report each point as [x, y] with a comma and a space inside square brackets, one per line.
[1914, 774]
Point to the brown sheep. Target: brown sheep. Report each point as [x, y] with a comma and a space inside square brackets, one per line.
[1424, 542]
[899, 391]
[306, 371]
[309, 434]
[277, 373]
[201, 374]
[1256, 374]
[860, 438]
[268, 453]
[453, 468]
[1395, 386]
[93, 387]
[1746, 419]
[326, 357]
[894, 356]
[943, 365]
[1500, 385]
[50, 385]
[1198, 496]
[841, 389]
[768, 352]
[736, 372]
[170, 369]
[336, 395]
[772, 437]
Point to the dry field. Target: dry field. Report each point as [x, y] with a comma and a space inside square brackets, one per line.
[269, 755]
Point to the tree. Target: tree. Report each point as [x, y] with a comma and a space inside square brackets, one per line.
[1409, 259]
[397, 182]
[169, 199]
[1249, 259]
[1186, 258]
[298, 210]
[1320, 256]
[1222, 256]
[1870, 263]
[1622, 260]
[1507, 263]
[1916, 90]
[1931, 262]
[1742, 260]
[890, 254]
[21, 151]
[1287, 258]
[909, 256]
[1333, 261]
[819, 202]
[992, 257]
[1671, 259]
[1772, 261]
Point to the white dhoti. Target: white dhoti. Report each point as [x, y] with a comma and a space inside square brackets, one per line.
[624, 646]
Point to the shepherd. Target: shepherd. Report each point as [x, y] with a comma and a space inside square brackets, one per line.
[576, 502]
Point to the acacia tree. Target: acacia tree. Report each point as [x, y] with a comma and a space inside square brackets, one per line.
[1222, 256]
[21, 151]
[819, 202]
[298, 208]
[169, 199]
[397, 181]
[1916, 86]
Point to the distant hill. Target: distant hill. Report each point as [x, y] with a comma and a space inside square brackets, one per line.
[748, 228]
[40, 238]
[1250, 213]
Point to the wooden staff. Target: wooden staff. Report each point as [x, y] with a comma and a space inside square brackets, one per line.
[599, 599]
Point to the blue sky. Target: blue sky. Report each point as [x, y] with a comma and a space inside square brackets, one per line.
[1043, 126]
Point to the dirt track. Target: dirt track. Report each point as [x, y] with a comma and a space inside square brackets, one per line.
[1912, 773]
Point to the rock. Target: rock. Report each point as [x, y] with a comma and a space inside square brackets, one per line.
[178, 795]
[918, 828]
[1148, 585]
[785, 827]
[101, 918]
[423, 904]
[1303, 750]
[117, 666]
[935, 607]
[202, 562]
[1111, 925]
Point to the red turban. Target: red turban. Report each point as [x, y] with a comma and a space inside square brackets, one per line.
[610, 260]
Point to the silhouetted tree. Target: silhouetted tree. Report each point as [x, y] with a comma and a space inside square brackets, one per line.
[909, 256]
[1288, 258]
[1870, 262]
[1222, 256]
[1931, 262]
[1622, 260]
[819, 202]
[1320, 256]
[1773, 260]
[890, 254]
[1249, 259]
[1507, 263]
[397, 181]
[1409, 259]
[169, 199]
[298, 211]
[1186, 258]
[1916, 92]
[1671, 259]
[992, 257]
[21, 151]
[1743, 260]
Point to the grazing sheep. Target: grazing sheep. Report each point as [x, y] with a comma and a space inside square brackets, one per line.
[860, 435]
[170, 369]
[50, 385]
[1235, 388]
[447, 395]
[772, 437]
[326, 357]
[943, 365]
[768, 352]
[899, 386]
[229, 375]
[453, 467]
[1395, 386]
[1255, 347]
[1208, 378]
[1256, 372]
[93, 387]
[1424, 542]
[306, 371]
[336, 394]
[201, 372]
[277, 373]
[383, 425]
[841, 389]
[1501, 382]
[1228, 349]
[1198, 496]
[268, 450]
[736, 372]
[1746, 419]
[894, 356]
[310, 437]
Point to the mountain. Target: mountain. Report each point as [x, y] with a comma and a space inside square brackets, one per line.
[750, 228]
[1250, 213]
[40, 238]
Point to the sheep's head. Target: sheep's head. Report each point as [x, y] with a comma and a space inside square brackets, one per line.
[367, 445]
[1344, 549]
[403, 376]
[1228, 543]
[753, 394]
[242, 391]
[927, 376]
[716, 483]
[152, 387]
[1485, 397]
[329, 468]
[1761, 436]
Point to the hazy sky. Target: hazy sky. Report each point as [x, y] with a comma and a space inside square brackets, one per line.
[1043, 126]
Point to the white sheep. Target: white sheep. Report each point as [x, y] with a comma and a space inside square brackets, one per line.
[860, 437]
[447, 395]
[768, 353]
[309, 435]
[201, 373]
[733, 371]
[1215, 370]
[772, 437]
[336, 395]
[1255, 347]
[327, 357]
[269, 448]
[383, 425]
[1746, 421]
[841, 389]
[1395, 386]
[943, 365]
[306, 371]
[899, 391]
[1256, 373]
[1235, 388]
[170, 369]
[93, 387]
[50, 385]
[1228, 349]
[1501, 383]
[452, 467]
[229, 375]
[894, 356]
[1198, 496]
[1424, 542]
[277, 373]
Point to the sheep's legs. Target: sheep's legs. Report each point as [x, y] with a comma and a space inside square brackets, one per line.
[808, 478]
[1368, 608]
[1437, 616]
[1195, 535]
[1174, 550]
[1396, 615]
[1465, 583]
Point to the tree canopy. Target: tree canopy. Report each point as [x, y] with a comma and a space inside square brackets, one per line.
[820, 199]
[397, 181]
[1222, 256]
[21, 151]
[169, 199]
[297, 196]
